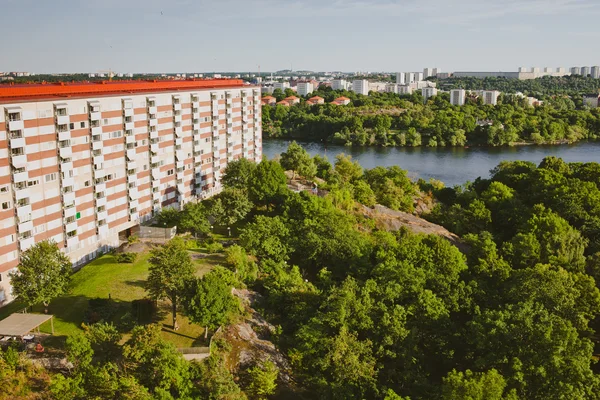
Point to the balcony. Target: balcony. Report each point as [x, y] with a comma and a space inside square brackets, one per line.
[177, 118]
[19, 161]
[101, 201]
[68, 198]
[100, 187]
[129, 126]
[178, 130]
[16, 125]
[24, 211]
[129, 139]
[103, 230]
[131, 154]
[128, 112]
[153, 134]
[177, 107]
[62, 120]
[25, 226]
[68, 181]
[65, 152]
[154, 147]
[72, 241]
[132, 178]
[133, 192]
[95, 116]
[16, 142]
[96, 130]
[134, 216]
[69, 212]
[70, 227]
[20, 177]
[178, 141]
[157, 174]
[98, 159]
[101, 215]
[25, 244]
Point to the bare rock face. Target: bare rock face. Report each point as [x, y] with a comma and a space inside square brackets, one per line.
[249, 339]
[391, 220]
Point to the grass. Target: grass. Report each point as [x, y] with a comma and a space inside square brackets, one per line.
[124, 283]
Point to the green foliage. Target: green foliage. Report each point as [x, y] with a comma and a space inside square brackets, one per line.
[262, 380]
[392, 187]
[168, 217]
[239, 262]
[214, 380]
[364, 194]
[43, 274]
[238, 174]
[489, 385]
[209, 302]
[133, 239]
[267, 181]
[126, 258]
[194, 219]
[170, 267]
[235, 206]
[215, 247]
[347, 169]
[298, 160]
[266, 237]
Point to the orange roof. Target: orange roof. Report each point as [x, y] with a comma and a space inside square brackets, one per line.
[42, 91]
[291, 98]
[316, 98]
[283, 103]
[268, 98]
[342, 98]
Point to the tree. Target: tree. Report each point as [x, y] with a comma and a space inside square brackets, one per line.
[298, 160]
[263, 379]
[168, 216]
[208, 300]
[266, 237]
[42, 275]
[347, 169]
[194, 218]
[489, 385]
[170, 267]
[268, 180]
[238, 174]
[235, 206]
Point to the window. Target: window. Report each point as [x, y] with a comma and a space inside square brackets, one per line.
[17, 151]
[207, 140]
[14, 116]
[87, 183]
[170, 172]
[51, 177]
[101, 208]
[34, 182]
[71, 126]
[6, 205]
[82, 124]
[4, 189]
[145, 167]
[15, 134]
[105, 121]
[62, 128]
[128, 119]
[117, 134]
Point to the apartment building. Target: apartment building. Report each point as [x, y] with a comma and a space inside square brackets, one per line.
[490, 97]
[360, 86]
[595, 72]
[457, 97]
[83, 163]
[281, 86]
[428, 92]
[305, 88]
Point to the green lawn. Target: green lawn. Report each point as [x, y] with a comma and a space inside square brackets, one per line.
[124, 283]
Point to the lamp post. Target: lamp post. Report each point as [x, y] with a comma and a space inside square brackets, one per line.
[229, 231]
[165, 225]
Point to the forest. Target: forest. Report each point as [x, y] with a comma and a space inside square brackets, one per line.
[388, 119]
[362, 312]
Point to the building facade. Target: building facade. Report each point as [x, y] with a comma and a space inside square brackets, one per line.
[360, 86]
[281, 86]
[457, 97]
[428, 92]
[83, 163]
[595, 72]
[490, 97]
[339, 84]
[305, 88]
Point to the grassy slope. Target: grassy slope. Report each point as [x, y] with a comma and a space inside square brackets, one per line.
[124, 283]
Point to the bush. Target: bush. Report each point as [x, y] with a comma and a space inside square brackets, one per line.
[126, 258]
[133, 239]
[100, 310]
[215, 247]
[143, 311]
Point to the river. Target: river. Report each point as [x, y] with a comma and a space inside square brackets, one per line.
[453, 166]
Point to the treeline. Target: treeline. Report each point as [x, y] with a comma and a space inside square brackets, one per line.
[543, 88]
[387, 119]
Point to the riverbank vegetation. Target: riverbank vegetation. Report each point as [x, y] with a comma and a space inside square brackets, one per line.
[360, 312]
[387, 119]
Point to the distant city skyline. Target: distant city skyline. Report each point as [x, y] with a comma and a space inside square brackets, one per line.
[341, 35]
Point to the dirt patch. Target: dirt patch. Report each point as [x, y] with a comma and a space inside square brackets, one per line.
[138, 247]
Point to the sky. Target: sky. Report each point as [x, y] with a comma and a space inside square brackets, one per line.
[320, 35]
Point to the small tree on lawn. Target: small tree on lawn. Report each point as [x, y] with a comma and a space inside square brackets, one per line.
[208, 300]
[43, 274]
[263, 380]
[170, 267]
[298, 160]
[194, 218]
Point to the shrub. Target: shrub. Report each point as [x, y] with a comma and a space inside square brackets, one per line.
[126, 258]
[215, 247]
[100, 310]
[143, 311]
[133, 239]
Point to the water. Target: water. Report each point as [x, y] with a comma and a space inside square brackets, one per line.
[453, 166]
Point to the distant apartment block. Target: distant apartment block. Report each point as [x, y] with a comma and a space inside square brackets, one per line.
[585, 71]
[400, 78]
[409, 77]
[428, 92]
[575, 71]
[83, 163]
[457, 97]
[281, 86]
[360, 86]
[490, 97]
[304, 88]
[595, 72]
[339, 84]
[427, 72]
[405, 89]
